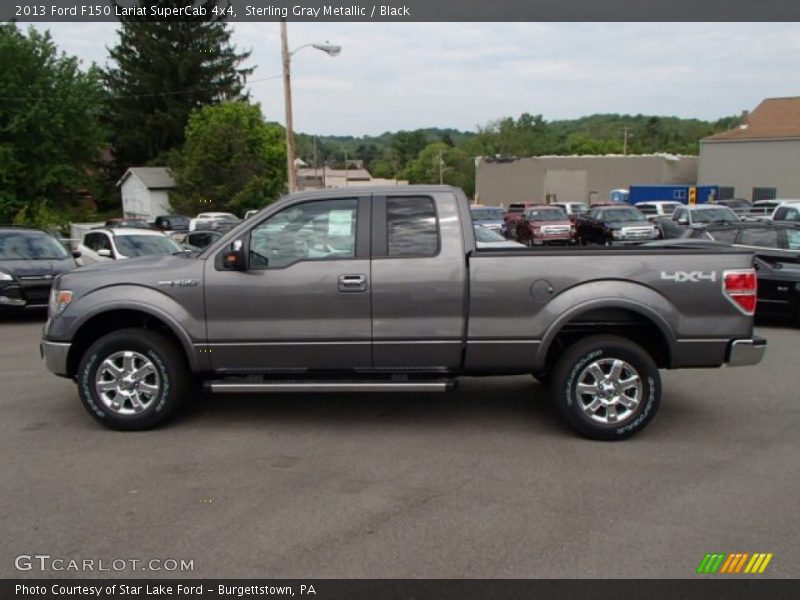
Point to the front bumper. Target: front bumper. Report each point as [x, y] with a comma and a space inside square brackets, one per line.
[55, 355]
[746, 352]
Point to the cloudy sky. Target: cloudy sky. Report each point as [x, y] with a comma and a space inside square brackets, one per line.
[409, 75]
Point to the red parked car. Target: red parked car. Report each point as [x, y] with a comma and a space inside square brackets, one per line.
[543, 225]
[514, 213]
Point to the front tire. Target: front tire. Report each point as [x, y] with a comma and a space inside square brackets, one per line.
[606, 387]
[132, 379]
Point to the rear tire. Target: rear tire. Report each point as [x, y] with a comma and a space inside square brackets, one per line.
[132, 379]
[606, 387]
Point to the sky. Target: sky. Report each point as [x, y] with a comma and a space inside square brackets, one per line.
[393, 76]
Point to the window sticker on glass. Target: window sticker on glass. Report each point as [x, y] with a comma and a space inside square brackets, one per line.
[340, 223]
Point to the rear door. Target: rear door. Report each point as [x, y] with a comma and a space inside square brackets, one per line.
[419, 282]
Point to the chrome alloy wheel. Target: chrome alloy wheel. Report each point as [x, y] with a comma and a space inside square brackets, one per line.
[609, 391]
[127, 382]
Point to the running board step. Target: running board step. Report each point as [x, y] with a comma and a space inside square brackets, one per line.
[264, 387]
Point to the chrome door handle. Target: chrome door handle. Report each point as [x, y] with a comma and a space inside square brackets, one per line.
[352, 283]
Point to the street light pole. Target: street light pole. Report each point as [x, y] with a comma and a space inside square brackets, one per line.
[287, 93]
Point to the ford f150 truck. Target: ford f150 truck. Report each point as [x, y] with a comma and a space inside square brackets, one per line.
[384, 289]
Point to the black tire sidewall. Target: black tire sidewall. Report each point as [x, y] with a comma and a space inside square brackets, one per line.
[166, 361]
[575, 360]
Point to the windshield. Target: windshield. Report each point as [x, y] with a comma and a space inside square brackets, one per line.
[714, 215]
[488, 214]
[487, 236]
[25, 245]
[616, 215]
[145, 245]
[550, 214]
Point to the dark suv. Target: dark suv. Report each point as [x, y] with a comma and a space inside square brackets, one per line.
[613, 225]
[30, 259]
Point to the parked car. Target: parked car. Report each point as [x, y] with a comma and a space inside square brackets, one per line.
[490, 217]
[172, 223]
[206, 220]
[197, 240]
[758, 236]
[658, 208]
[132, 223]
[762, 209]
[223, 224]
[777, 250]
[514, 213]
[614, 225]
[488, 238]
[108, 244]
[545, 225]
[30, 259]
[386, 290]
[573, 209]
[738, 205]
[788, 210]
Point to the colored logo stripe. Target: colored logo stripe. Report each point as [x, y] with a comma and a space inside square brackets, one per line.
[721, 562]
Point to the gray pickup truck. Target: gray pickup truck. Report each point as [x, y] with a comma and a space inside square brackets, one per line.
[385, 290]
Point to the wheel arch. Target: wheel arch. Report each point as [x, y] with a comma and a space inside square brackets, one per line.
[104, 320]
[623, 317]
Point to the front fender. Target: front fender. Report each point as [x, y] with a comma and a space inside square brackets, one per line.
[187, 326]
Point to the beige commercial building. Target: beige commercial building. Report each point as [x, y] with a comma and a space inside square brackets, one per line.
[759, 160]
[501, 181]
[324, 177]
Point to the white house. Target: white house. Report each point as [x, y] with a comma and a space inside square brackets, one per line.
[145, 192]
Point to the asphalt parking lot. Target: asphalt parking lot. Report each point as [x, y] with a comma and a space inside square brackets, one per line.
[483, 482]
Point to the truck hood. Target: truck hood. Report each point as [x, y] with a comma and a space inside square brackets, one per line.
[142, 264]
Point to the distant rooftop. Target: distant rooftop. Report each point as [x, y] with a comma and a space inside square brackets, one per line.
[774, 118]
[155, 178]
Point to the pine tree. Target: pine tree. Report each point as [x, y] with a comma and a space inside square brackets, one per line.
[162, 71]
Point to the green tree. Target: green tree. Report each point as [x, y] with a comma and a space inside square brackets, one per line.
[50, 130]
[161, 71]
[232, 160]
[457, 167]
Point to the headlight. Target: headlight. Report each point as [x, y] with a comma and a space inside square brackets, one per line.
[59, 300]
[5, 276]
[617, 233]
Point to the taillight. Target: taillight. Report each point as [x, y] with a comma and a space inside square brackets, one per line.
[741, 288]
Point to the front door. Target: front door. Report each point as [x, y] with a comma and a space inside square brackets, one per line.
[303, 302]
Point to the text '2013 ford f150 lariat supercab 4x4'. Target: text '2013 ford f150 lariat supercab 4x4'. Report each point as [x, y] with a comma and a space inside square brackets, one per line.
[384, 289]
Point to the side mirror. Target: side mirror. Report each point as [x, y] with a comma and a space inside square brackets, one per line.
[104, 252]
[76, 254]
[234, 259]
[683, 221]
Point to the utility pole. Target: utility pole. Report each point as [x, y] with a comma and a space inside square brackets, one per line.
[441, 168]
[287, 93]
[346, 172]
[625, 131]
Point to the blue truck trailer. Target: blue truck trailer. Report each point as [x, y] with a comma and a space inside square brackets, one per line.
[688, 194]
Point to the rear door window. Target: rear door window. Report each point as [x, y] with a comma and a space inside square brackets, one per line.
[793, 239]
[765, 238]
[724, 235]
[411, 227]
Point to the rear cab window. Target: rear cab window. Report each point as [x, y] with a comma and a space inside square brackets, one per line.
[412, 229]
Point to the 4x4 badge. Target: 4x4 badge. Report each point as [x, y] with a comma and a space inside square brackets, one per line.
[689, 276]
